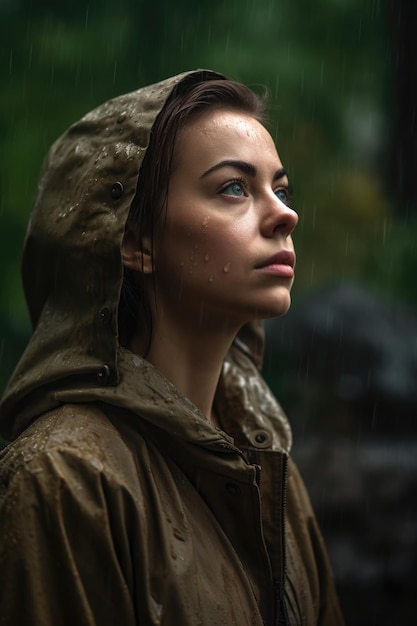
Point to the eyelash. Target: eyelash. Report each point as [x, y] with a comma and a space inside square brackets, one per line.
[242, 181]
[239, 179]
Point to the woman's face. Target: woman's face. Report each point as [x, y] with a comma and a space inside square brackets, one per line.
[224, 253]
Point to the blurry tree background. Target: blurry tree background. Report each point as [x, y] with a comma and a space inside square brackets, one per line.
[342, 81]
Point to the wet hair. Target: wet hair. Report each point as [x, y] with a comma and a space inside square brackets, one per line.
[149, 203]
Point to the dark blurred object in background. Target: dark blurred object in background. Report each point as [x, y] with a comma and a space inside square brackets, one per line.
[349, 388]
[364, 351]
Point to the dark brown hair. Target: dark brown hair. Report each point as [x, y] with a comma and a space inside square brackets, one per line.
[149, 203]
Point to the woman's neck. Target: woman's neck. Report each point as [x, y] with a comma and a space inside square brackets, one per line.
[191, 358]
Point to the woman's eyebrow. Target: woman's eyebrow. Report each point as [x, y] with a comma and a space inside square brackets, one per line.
[280, 174]
[243, 166]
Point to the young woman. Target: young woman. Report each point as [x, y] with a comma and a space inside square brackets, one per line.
[149, 480]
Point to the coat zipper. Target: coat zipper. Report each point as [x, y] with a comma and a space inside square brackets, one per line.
[281, 611]
[280, 608]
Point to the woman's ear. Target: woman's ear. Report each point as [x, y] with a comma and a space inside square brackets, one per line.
[136, 254]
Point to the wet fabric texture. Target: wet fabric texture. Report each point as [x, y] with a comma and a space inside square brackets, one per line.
[119, 501]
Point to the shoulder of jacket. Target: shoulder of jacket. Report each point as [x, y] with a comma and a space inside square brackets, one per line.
[77, 436]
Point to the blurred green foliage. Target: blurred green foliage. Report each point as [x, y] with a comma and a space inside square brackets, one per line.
[327, 66]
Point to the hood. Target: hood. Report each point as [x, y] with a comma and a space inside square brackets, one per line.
[72, 269]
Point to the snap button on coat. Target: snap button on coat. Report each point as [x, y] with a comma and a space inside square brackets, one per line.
[117, 190]
[104, 374]
[260, 438]
[105, 315]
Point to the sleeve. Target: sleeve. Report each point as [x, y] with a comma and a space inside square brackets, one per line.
[64, 553]
[312, 550]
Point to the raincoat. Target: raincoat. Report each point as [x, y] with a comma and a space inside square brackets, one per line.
[120, 502]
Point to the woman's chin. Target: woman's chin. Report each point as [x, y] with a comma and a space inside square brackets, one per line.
[276, 308]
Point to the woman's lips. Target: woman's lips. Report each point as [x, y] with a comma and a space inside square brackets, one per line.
[280, 264]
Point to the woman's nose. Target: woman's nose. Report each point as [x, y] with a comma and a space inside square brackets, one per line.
[278, 217]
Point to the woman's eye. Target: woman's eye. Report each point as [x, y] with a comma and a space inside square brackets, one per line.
[235, 188]
[283, 195]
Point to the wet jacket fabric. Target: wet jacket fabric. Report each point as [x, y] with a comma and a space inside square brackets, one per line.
[121, 503]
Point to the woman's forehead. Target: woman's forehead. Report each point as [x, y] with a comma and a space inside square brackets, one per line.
[225, 132]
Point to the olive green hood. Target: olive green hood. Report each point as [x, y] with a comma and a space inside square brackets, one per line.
[72, 268]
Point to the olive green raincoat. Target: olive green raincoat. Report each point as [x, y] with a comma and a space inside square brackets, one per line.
[120, 502]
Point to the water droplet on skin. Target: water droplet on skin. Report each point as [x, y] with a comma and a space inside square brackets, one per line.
[211, 278]
[196, 246]
[226, 267]
[205, 221]
[206, 258]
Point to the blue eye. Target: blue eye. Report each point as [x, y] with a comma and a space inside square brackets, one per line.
[283, 195]
[235, 188]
